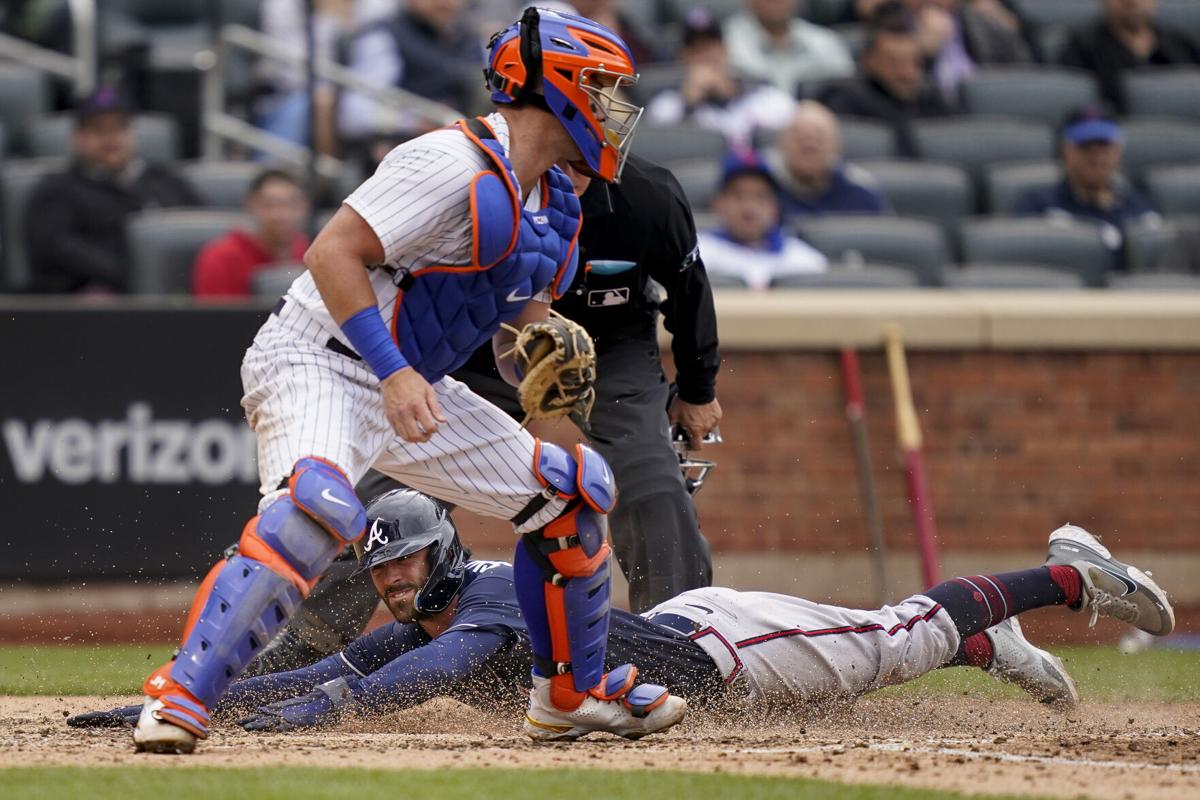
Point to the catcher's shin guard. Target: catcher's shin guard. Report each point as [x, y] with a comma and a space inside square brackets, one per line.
[562, 573]
[248, 598]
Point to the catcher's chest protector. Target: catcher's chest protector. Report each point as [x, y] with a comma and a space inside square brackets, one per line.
[444, 313]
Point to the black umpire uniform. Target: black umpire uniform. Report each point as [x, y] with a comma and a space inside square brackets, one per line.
[635, 234]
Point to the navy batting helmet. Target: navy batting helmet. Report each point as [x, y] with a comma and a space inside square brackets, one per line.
[403, 522]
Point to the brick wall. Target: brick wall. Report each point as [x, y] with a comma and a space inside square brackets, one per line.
[1016, 443]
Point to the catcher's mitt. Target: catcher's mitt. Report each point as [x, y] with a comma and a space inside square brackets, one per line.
[557, 362]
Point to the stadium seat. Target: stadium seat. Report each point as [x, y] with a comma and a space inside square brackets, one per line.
[911, 243]
[664, 144]
[654, 79]
[1151, 142]
[1006, 183]
[17, 179]
[1068, 245]
[937, 192]
[1063, 13]
[699, 180]
[24, 95]
[164, 244]
[1036, 93]
[1175, 189]
[864, 139]
[1183, 14]
[1156, 282]
[273, 282]
[1147, 244]
[975, 142]
[157, 136]
[866, 276]
[827, 12]
[1164, 92]
[221, 184]
[1011, 276]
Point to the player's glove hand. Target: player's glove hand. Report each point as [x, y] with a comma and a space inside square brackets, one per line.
[557, 364]
[319, 707]
[116, 718]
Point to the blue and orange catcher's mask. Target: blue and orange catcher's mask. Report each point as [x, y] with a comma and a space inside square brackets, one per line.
[577, 70]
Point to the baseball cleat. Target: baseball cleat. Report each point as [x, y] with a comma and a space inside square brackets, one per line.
[645, 709]
[1108, 587]
[1016, 661]
[153, 734]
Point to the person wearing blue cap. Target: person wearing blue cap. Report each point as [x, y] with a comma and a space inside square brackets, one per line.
[1090, 145]
[750, 242]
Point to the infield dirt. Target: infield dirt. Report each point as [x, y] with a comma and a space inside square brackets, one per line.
[1117, 751]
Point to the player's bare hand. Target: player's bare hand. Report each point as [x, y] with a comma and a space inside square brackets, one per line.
[696, 420]
[411, 405]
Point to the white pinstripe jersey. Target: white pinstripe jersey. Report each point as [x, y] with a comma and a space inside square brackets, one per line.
[417, 202]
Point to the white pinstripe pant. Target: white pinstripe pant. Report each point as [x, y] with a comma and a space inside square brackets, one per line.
[302, 399]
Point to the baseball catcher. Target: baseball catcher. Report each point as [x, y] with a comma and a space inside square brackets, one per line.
[459, 632]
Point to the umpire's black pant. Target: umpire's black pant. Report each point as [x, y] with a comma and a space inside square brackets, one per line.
[655, 535]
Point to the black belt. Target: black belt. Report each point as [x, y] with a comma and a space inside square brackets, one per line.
[333, 344]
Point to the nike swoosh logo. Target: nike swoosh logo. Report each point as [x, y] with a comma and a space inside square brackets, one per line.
[702, 608]
[1130, 586]
[513, 297]
[325, 495]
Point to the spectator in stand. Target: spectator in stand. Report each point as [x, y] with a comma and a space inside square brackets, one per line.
[284, 109]
[711, 95]
[958, 36]
[814, 178]
[767, 41]
[75, 220]
[1126, 37]
[226, 266]
[1090, 144]
[428, 48]
[750, 242]
[608, 13]
[892, 84]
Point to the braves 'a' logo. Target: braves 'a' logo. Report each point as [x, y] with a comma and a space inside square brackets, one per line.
[375, 536]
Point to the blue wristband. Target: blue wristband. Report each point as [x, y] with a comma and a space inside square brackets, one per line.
[371, 339]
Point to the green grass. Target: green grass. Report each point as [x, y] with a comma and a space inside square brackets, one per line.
[78, 669]
[291, 783]
[1101, 672]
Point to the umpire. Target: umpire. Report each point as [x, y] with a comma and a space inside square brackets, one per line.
[636, 234]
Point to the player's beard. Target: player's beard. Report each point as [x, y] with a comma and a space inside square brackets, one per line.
[400, 598]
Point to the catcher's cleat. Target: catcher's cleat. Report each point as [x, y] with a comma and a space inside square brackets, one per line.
[1016, 661]
[633, 712]
[1108, 587]
[155, 733]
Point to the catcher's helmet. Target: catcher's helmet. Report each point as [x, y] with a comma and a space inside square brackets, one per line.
[403, 522]
[574, 68]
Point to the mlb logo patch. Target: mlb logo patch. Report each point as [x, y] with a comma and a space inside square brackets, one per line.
[599, 298]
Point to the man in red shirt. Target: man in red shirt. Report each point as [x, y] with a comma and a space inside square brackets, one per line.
[226, 266]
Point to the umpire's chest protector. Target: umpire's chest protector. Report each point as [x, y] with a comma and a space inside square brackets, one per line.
[444, 313]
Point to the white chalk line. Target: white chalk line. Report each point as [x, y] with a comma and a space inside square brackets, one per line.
[978, 755]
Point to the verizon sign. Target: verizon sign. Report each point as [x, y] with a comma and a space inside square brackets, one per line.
[122, 437]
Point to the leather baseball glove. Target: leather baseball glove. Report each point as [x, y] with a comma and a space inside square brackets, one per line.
[557, 363]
